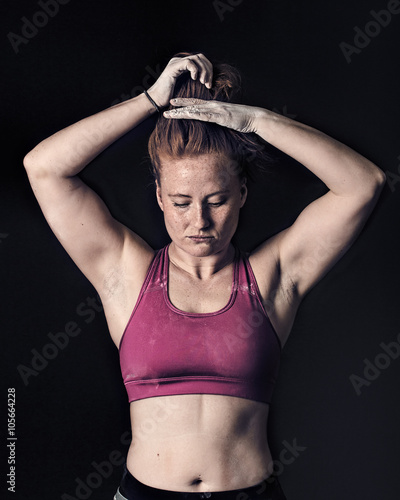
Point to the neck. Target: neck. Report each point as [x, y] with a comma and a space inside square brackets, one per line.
[201, 268]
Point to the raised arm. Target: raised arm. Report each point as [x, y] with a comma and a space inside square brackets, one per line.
[327, 227]
[79, 218]
[76, 214]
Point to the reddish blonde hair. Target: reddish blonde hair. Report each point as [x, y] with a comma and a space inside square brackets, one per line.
[174, 138]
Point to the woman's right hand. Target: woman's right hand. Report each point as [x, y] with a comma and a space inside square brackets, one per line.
[198, 66]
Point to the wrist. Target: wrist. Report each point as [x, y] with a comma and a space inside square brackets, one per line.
[152, 101]
[146, 103]
[266, 122]
[158, 94]
[138, 102]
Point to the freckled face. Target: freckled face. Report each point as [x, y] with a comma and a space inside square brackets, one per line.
[201, 199]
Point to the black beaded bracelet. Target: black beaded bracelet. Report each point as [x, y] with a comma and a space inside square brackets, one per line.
[152, 101]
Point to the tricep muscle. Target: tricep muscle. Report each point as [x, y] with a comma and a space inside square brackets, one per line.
[83, 224]
[320, 236]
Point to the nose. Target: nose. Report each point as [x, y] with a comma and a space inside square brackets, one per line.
[201, 218]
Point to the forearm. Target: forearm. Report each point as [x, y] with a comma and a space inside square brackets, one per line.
[68, 151]
[344, 171]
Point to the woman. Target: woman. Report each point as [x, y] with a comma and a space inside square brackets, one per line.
[199, 351]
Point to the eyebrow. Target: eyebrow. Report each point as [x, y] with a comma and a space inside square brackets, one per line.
[188, 196]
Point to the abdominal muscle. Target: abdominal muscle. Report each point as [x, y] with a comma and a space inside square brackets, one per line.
[199, 442]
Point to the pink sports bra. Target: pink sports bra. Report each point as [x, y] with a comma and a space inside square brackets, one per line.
[233, 352]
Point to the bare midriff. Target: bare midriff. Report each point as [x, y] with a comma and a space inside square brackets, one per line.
[199, 442]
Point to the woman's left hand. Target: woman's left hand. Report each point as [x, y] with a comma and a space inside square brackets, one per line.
[235, 116]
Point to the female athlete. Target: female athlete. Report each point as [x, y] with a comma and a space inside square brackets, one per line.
[200, 324]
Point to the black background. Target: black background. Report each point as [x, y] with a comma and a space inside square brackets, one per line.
[88, 56]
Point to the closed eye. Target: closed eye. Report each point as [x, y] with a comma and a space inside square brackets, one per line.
[217, 204]
[182, 205]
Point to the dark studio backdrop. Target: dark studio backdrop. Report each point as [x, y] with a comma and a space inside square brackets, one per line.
[335, 415]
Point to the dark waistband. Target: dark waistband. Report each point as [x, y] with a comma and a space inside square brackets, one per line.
[133, 489]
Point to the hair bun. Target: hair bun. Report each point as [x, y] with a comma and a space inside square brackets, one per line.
[226, 83]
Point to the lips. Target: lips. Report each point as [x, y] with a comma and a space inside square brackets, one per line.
[201, 239]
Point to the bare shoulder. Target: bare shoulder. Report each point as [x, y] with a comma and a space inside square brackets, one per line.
[122, 282]
[278, 292]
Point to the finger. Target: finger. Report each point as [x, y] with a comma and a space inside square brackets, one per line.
[192, 67]
[198, 66]
[204, 73]
[192, 112]
[180, 112]
[186, 101]
[209, 75]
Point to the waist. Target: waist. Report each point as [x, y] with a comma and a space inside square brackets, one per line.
[132, 489]
[187, 442]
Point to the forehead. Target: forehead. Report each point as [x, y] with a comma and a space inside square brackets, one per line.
[198, 171]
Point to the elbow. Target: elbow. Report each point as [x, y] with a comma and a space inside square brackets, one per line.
[34, 163]
[380, 182]
[28, 161]
[376, 185]
[380, 178]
